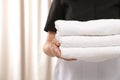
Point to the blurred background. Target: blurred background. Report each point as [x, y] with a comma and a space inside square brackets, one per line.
[21, 40]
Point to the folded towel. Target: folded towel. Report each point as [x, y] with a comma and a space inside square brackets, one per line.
[89, 41]
[93, 41]
[91, 27]
[91, 54]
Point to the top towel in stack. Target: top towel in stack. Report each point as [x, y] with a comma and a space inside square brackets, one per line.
[93, 40]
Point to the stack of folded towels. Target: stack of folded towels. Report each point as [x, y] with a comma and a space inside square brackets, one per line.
[93, 40]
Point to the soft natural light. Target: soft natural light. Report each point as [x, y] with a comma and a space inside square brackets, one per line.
[22, 37]
[14, 39]
[0, 35]
[31, 36]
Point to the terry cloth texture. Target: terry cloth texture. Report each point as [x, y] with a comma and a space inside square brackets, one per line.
[92, 41]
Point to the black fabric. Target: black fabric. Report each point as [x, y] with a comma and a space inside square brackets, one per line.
[82, 10]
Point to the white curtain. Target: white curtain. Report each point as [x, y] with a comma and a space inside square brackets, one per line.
[21, 40]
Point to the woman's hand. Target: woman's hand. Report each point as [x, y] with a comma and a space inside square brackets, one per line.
[51, 47]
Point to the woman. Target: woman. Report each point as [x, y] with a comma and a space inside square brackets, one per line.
[82, 10]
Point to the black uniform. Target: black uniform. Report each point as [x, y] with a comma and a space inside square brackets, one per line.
[81, 10]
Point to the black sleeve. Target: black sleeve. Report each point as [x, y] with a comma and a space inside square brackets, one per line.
[56, 12]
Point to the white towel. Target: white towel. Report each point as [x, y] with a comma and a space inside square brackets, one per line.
[91, 27]
[89, 41]
[92, 41]
[91, 54]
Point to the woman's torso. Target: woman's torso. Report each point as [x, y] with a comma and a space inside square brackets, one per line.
[91, 9]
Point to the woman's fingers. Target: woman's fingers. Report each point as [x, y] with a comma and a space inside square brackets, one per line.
[57, 53]
[56, 42]
[55, 50]
[70, 59]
